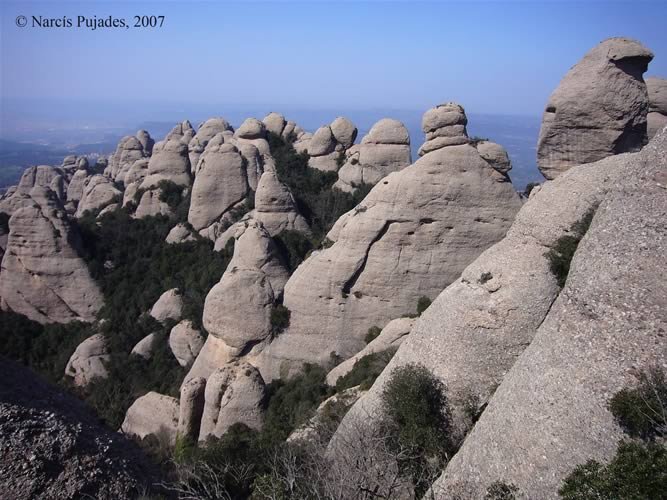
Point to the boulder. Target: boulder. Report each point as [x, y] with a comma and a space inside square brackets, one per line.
[88, 361]
[168, 306]
[98, 192]
[344, 132]
[274, 123]
[444, 125]
[390, 337]
[234, 394]
[207, 130]
[41, 176]
[214, 354]
[220, 183]
[411, 237]
[328, 144]
[75, 189]
[152, 414]
[599, 108]
[657, 105]
[550, 412]
[150, 204]
[185, 342]
[385, 149]
[170, 160]
[137, 172]
[145, 347]
[191, 408]
[251, 128]
[495, 155]
[129, 149]
[42, 275]
[180, 234]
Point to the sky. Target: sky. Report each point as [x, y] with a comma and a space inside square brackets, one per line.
[492, 57]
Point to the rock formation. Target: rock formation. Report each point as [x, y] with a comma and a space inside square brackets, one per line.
[234, 394]
[150, 204]
[42, 176]
[168, 306]
[207, 130]
[42, 275]
[385, 149]
[410, 237]
[145, 347]
[274, 123]
[599, 108]
[191, 408]
[129, 150]
[550, 412]
[170, 161]
[390, 337]
[154, 414]
[98, 193]
[328, 144]
[237, 310]
[88, 360]
[185, 342]
[54, 447]
[657, 105]
[179, 234]
[252, 132]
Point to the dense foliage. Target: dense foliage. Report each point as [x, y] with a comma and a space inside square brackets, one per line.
[561, 254]
[315, 196]
[365, 371]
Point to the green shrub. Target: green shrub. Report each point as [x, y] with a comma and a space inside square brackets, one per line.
[500, 490]
[4, 223]
[642, 411]
[279, 318]
[637, 472]
[418, 420]
[561, 254]
[170, 193]
[475, 140]
[529, 188]
[365, 371]
[422, 304]
[294, 247]
[373, 333]
[292, 402]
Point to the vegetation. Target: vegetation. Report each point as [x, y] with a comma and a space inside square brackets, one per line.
[422, 304]
[418, 419]
[641, 410]
[279, 318]
[637, 472]
[529, 188]
[500, 490]
[373, 333]
[315, 197]
[365, 371]
[561, 254]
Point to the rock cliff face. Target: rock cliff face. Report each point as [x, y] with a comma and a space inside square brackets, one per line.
[606, 324]
[207, 131]
[410, 237]
[657, 105]
[54, 447]
[385, 149]
[598, 110]
[41, 176]
[129, 150]
[98, 193]
[328, 144]
[170, 160]
[42, 276]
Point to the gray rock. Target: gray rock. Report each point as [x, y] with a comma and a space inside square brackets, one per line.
[98, 192]
[343, 131]
[275, 207]
[170, 160]
[207, 130]
[598, 110]
[145, 347]
[411, 237]
[323, 142]
[149, 204]
[185, 342]
[168, 306]
[551, 412]
[444, 125]
[657, 101]
[152, 414]
[251, 128]
[275, 123]
[495, 155]
[191, 408]
[42, 275]
[88, 361]
[179, 234]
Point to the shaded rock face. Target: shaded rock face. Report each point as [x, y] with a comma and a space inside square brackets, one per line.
[185, 342]
[410, 237]
[179, 234]
[605, 326]
[42, 275]
[599, 108]
[98, 193]
[75, 189]
[87, 361]
[191, 408]
[221, 183]
[657, 105]
[385, 149]
[234, 394]
[168, 306]
[54, 447]
[154, 414]
[129, 150]
[390, 337]
[150, 204]
[328, 143]
[170, 160]
[207, 130]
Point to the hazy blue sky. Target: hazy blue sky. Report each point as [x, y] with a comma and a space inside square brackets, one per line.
[492, 57]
